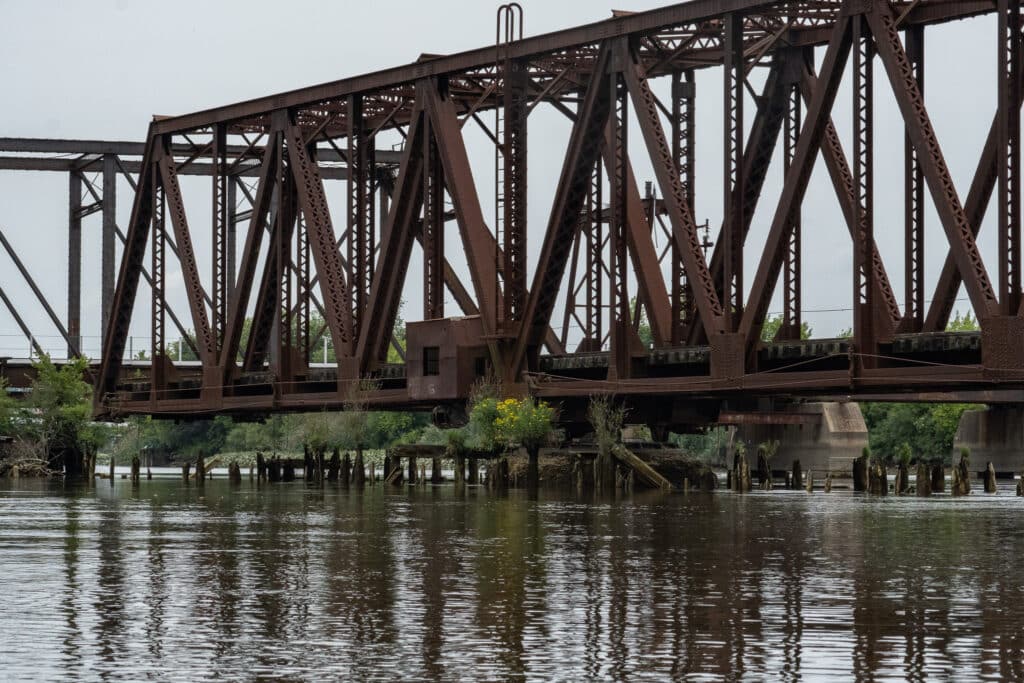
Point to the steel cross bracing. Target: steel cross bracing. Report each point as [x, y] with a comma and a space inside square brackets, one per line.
[604, 244]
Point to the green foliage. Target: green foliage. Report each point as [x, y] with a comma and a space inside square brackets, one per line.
[8, 410]
[768, 449]
[524, 421]
[705, 446]
[60, 404]
[904, 454]
[924, 430]
[965, 323]
[772, 324]
[606, 416]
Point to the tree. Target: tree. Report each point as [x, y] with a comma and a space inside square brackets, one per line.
[527, 422]
[59, 431]
[965, 323]
[772, 324]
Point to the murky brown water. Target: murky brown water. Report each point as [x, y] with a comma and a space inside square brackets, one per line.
[165, 582]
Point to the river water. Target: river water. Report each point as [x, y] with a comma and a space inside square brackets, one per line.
[164, 581]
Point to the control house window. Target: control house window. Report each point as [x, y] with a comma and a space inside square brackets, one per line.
[431, 361]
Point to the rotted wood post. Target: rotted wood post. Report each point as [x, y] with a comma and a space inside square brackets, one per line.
[460, 469]
[810, 481]
[185, 471]
[288, 470]
[334, 467]
[435, 471]
[902, 484]
[923, 481]
[1020, 485]
[345, 476]
[412, 469]
[235, 474]
[200, 470]
[798, 476]
[373, 473]
[828, 483]
[938, 478]
[149, 473]
[990, 478]
[474, 471]
[111, 468]
[387, 465]
[860, 473]
[274, 469]
[261, 467]
[878, 479]
[359, 470]
[307, 463]
[136, 465]
[423, 474]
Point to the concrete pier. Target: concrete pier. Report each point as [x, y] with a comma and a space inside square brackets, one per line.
[827, 439]
[994, 434]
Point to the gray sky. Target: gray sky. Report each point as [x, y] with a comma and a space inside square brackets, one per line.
[100, 70]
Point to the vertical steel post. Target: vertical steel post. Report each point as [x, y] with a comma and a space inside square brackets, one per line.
[433, 226]
[1009, 51]
[513, 267]
[732, 273]
[863, 173]
[684, 119]
[619, 367]
[158, 273]
[232, 235]
[74, 262]
[219, 177]
[361, 210]
[913, 219]
[108, 239]
[791, 307]
[594, 332]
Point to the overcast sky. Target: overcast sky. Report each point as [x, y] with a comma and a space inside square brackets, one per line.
[101, 69]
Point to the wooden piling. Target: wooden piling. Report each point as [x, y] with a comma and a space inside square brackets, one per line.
[828, 483]
[878, 479]
[474, 471]
[234, 474]
[359, 470]
[460, 469]
[990, 478]
[961, 485]
[261, 467]
[334, 466]
[200, 470]
[860, 472]
[923, 482]
[764, 471]
[184, 471]
[111, 468]
[288, 470]
[412, 469]
[902, 483]
[938, 478]
[810, 480]
[345, 475]
[798, 476]
[373, 473]
[1020, 485]
[149, 473]
[435, 471]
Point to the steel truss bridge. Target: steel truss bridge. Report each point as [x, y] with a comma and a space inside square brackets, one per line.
[299, 253]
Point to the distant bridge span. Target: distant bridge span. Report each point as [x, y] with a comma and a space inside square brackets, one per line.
[597, 249]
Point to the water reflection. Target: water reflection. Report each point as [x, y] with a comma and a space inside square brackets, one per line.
[168, 581]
